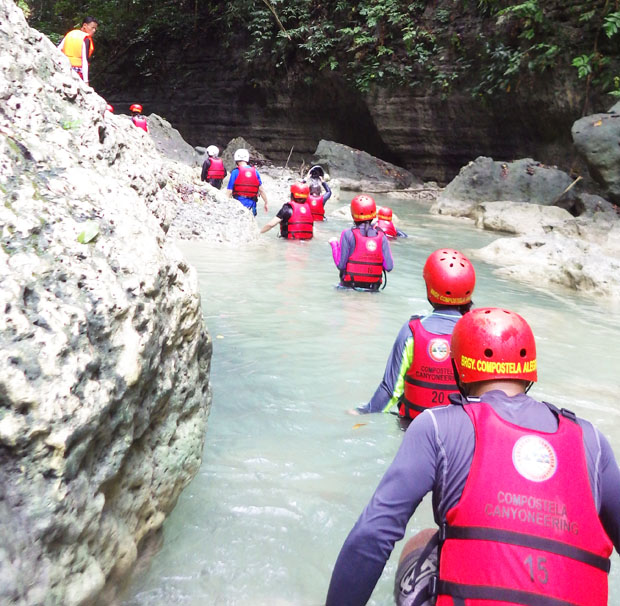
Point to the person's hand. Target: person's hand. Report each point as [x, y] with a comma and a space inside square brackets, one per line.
[265, 206]
[354, 412]
[332, 240]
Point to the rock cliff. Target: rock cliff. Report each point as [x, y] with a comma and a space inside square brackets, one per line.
[104, 355]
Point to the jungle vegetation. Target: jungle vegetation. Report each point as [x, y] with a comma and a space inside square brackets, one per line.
[489, 47]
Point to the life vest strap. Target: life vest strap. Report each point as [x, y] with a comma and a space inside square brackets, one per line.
[513, 596]
[524, 540]
[430, 385]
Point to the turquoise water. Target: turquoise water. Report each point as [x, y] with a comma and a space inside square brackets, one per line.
[286, 472]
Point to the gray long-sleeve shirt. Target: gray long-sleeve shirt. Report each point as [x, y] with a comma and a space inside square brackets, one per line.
[435, 456]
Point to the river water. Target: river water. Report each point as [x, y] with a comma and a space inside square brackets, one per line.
[286, 472]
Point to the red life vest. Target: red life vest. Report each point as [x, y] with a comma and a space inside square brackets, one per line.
[526, 529]
[387, 227]
[316, 204]
[430, 378]
[140, 122]
[247, 183]
[216, 169]
[300, 224]
[365, 265]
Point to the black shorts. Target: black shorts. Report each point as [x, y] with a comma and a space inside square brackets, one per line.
[407, 588]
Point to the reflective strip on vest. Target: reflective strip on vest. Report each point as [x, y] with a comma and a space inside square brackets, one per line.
[430, 378]
[526, 529]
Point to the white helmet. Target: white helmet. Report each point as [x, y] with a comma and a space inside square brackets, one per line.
[242, 155]
[212, 151]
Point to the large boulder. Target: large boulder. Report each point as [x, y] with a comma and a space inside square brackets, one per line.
[597, 139]
[524, 180]
[169, 142]
[104, 356]
[359, 171]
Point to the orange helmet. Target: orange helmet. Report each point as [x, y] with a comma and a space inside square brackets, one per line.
[384, 213]
[299, 191]
[136, 107]
[450, 277]
[363, 208]
[491, 343]
[110, 108]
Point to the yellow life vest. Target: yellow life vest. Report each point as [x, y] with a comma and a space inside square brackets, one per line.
[73, 46]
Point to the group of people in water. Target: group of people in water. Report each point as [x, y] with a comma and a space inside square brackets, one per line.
[362, 255]
[526, 496]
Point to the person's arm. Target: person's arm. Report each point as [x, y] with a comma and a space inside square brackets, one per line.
[231, 182]
[205, 169]
[61, 44]
[392, 385]
[275, 221]
[85, 47]
[261, 191]
[384, 520]
[388, 262]
[347, 246]
[328, 192]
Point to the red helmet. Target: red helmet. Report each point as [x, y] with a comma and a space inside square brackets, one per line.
[450, 277]
[136, 107]
[384, 213]
[363, 208]
[110, 108]
[299, 191]
[492, 343]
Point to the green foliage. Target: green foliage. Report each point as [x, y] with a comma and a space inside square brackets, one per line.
[367, 42]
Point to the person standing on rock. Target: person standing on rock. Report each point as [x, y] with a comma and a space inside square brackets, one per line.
[418, 374]
[317, 198]
[78, 46]
[213, 169]
[245, 183]
[295, 216]
[363, 252]
[526, 496]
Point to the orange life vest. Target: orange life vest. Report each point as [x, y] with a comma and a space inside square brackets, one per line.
[72, 46]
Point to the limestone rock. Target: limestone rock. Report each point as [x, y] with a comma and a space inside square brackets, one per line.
[518, 217]
[104, 356]
[169, 142]
[524, 180]
[359, 171]
[597, 139]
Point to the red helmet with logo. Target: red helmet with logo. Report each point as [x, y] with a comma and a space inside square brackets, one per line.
[491, 343]
[363, 208]
[136, 107]
[450, 277]
[384, 213]
[299, 191]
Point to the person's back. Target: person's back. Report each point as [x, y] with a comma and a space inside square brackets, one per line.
[418, 373]
[295, 216]
[213, 169]
[363, 253]
[521, 491]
